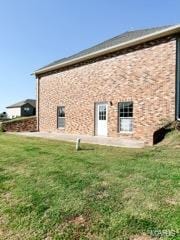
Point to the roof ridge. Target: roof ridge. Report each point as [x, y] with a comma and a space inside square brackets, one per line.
[21, 103]
[123, 39]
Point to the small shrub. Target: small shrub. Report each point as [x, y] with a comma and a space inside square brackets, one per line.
[1, 128]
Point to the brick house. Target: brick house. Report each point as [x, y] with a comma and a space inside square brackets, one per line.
[126, 87]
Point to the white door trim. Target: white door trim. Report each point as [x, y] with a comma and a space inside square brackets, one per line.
[101, 119]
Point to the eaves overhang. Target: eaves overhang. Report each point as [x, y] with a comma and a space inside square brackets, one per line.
[149, 37]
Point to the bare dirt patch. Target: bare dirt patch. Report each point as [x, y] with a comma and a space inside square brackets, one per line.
[177, 146]
[78, 225]
[79, 220]
[131, 193]
[142, 237]
[171, 201]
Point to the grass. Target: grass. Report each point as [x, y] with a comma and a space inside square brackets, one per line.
[50, 191]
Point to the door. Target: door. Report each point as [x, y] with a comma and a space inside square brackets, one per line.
[101, 119]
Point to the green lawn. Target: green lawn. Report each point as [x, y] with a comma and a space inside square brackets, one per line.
[50, 191]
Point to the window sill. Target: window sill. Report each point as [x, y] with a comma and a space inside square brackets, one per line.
[61, 128]
[125, 132]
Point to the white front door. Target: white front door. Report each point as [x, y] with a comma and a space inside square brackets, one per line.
[101, 119]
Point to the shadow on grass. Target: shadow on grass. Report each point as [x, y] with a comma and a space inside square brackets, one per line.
[141, 224]
[86, 149]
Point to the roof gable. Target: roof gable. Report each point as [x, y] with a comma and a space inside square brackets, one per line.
[32, 102]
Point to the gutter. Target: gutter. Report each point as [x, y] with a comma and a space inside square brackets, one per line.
[149, 37]
[177, 95]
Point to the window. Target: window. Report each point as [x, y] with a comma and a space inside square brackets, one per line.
[61, 117]
[126, 116]
[26, 109]
[102, 112]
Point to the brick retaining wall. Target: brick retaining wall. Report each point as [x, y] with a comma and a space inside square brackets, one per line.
[28, 124]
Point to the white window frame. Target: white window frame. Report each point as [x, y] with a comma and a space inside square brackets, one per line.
[26, 109]
[120, 118]
[60, 118]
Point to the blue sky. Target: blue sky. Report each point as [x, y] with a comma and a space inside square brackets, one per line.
[36, 32]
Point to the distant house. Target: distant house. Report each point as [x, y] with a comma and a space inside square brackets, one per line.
[22, 109]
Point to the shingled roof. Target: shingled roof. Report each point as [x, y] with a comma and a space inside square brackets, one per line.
[112, 44]
[32, 102]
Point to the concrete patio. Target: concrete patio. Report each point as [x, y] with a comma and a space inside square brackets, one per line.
[109, 141]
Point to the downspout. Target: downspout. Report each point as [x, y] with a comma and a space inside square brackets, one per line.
[37, 102]
[178, 78]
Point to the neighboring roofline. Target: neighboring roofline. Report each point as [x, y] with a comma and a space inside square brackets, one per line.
[161, 33]
[14, 107]
[19, 106]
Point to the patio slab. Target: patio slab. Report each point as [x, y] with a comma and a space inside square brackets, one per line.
[109, 141]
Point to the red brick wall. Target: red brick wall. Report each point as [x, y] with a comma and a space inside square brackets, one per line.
[28, 124]
[144, 74]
